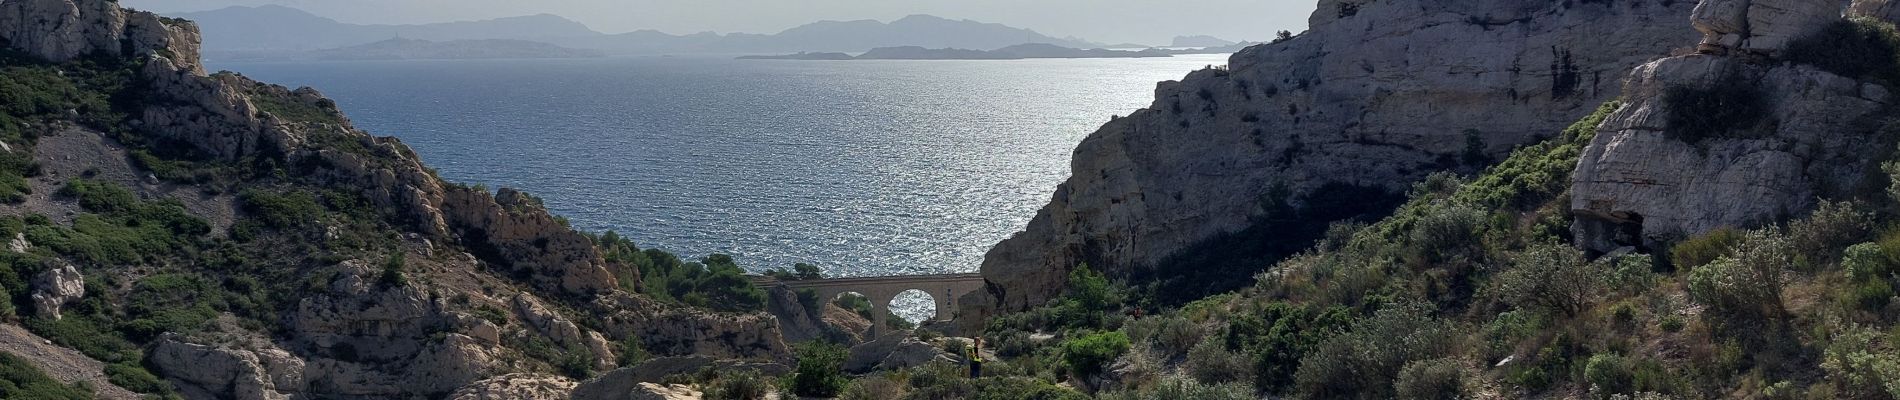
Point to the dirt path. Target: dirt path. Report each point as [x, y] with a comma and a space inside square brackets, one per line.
[64, 364]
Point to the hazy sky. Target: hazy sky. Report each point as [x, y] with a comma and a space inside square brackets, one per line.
[1143, 21]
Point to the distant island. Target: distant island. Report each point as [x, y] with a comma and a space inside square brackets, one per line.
[1200, 41]
[1017, 52]
[417, 49]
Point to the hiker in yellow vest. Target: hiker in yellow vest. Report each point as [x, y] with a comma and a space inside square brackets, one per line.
[976, 359]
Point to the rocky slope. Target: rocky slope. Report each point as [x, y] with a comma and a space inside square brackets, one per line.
[1653, 176]
[1375, 95]
[368, 276]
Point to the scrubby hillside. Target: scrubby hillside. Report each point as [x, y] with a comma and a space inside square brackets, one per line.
[210, 236]
[1727, 227]
[1235, 167]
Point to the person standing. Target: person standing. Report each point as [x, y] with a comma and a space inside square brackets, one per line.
[976, 358]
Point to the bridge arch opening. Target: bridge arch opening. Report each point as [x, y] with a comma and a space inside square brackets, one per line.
[916, 306]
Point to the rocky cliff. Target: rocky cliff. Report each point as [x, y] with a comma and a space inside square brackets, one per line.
[302, 258]
[1748, 132]
[1375, 95]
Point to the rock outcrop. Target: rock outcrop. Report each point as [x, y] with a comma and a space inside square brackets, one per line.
[896, 352]
[1885, 10]
[202, 371]
[60, 285]
[1645, 182]
[516, 228]
[1375, 94]
[634, 382]
[517, 387]
[1761, 26]
[64, 30]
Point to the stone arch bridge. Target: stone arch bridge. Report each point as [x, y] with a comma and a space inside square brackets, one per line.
[881, 290]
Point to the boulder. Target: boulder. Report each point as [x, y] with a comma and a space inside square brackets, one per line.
[895, 351]
[516, 387]
[1642, 182]
[59, 285]
[564, 333]
[267, 374]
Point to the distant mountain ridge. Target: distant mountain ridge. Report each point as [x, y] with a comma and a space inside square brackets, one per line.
[468, 49]
[278, 30]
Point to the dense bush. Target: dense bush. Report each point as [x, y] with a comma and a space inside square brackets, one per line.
[819, 370]
[1088, 354]
[1363, 363]
[1212, 362]
[1436, 379]
[1700, 250]
[1746, 283]
[740, 384]
[876, 387]
[1863, 366]
[1819, 238]
[1086, 299]
[1859, 48]
[19, 379]
[1175, 388]
[1171, 335]
[1552, 277]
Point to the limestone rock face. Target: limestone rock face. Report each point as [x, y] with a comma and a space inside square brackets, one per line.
[894, 352]
[203, 371]
[522, 232]
[1886, 10]
[1761, 26]
[57, 287]
[63, 30]
[1639, 184]
[564, 333]
[1375, 94]
[517, 387]
[675, 331]
[634, 382]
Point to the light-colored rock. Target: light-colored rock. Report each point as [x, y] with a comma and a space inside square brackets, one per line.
[655, 391]
[19, 244]
[59, 285]
[1885, 10]
[516, 226]
[64, 30]
[240, 374]
[1637, 184]
[564, 333]
[1378, 98]
[628, 383]
[893, 352]
[517, 387]
[668, 330]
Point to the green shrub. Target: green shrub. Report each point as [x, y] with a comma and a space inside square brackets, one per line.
[741, 384]
[1172, 335]
[1730, 108]
[137, 379]
[1700, 250]
[876, 387]
[19, 379]
[1443, 235]
[1086, 299]
[1610, 374]
[1436, 379]
[1211, 362]
[1088, 354]
[1867, 261]
[281, 210]
[1861, 365]
[1552, 277]
[1819, 238]
[857, 303]
[1174, 388]
[1282, 336]
[1364, 363]
[819, 370]
[1747, 283]
[1860, 48]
